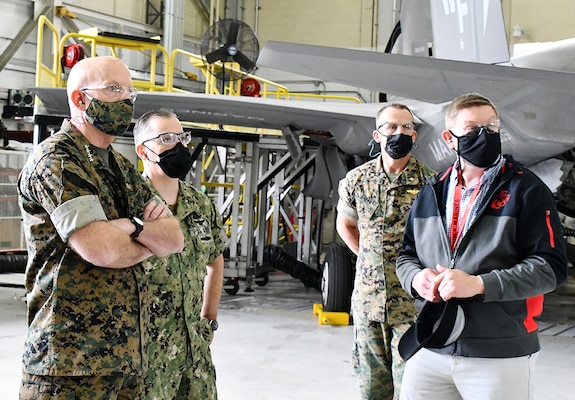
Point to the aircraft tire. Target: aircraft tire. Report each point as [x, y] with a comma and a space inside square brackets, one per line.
[262, 279]
[231, 286]
[337, 279]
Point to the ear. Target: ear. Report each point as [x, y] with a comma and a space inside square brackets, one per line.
[140, 151]
[376, 137]
[78, 99]
[448, 137]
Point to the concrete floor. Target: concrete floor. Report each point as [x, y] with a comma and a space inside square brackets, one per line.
[270, 346]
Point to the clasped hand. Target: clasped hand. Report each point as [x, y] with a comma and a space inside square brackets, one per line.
[443, 283]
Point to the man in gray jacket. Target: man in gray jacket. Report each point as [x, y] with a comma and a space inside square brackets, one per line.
[486, 233]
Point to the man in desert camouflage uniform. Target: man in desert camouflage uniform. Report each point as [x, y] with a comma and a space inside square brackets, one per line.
[185, 288]
[374, 200]
[89, 220]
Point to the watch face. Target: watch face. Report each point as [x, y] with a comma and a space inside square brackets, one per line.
[214, 324]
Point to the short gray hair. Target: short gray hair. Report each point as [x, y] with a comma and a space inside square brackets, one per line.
[142, 125]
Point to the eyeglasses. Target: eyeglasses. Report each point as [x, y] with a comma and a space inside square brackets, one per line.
[115, 91]
[490, 127]
[389, 128]
[169, 138]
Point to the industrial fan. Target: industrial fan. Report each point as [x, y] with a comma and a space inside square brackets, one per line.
[230, 41]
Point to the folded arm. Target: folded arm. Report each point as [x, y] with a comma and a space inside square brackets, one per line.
[104, 245]
[107, 243]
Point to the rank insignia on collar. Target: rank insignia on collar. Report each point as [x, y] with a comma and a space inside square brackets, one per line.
[89, 153]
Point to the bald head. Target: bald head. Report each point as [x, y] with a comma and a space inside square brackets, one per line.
[98, 71]
[94, 72]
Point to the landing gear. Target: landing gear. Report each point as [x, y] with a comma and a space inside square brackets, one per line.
[262, 279]
[232, 286]
[337, 279]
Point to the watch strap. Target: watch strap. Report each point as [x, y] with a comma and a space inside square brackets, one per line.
[139, 227]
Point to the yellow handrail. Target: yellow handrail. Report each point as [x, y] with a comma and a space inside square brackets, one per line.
[54, 75]
[112, 43]
[299, 96]
[47, 76]
[234, 86]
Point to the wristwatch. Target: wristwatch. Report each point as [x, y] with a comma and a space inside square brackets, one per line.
[139, 224]
[213, 324]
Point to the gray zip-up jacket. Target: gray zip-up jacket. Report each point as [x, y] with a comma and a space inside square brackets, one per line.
[515, 244]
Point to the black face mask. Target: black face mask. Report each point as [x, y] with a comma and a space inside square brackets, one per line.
[398, 146]
[481, 147]
[175, 162]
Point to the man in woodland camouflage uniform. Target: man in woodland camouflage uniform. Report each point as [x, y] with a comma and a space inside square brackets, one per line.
[374, 200]
[185, 288]
[90, 219]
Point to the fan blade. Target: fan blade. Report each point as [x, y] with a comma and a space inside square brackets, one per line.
[246, 64]
[233, 33]
[217, 55]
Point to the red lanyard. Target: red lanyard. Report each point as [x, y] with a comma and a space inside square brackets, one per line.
[457, 225]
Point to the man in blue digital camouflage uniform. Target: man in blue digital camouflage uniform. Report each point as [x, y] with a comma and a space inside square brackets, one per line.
[90, 220]
[374, 200]
[185, 287]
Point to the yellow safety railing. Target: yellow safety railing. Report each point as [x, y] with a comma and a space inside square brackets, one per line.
[113, 44]
[47, 75]
[316, 96]
[233, 86]
[53, 74]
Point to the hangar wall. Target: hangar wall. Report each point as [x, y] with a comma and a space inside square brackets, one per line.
[135, 10]
[540, 21]
[338, 23]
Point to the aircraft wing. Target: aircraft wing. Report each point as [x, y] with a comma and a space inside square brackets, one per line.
[350, 124]
[426, 79]
[536, 106]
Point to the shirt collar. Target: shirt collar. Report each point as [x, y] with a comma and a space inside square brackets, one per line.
[488, 175]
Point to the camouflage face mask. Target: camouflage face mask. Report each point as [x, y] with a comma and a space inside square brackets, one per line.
[113, 117]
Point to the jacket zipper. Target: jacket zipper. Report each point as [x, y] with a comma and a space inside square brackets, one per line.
[550, 228]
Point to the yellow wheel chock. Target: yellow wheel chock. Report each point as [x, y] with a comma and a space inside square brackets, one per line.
[330, 317]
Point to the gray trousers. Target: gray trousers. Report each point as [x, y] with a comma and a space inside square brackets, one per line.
[432, 376]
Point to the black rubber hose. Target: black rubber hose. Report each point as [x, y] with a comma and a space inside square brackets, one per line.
[13, 261]
[279, 259]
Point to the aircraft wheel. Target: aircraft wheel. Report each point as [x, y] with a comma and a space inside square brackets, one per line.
[571, 259]
[262, 279]
[337, 279]
[231, 286]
